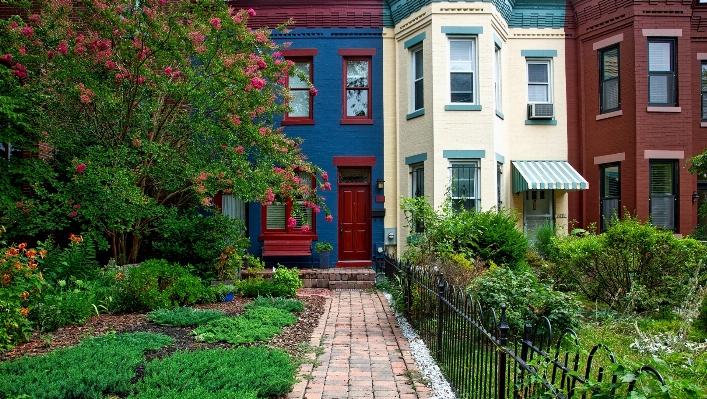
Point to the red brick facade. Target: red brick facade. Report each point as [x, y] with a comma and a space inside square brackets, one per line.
[595, 139]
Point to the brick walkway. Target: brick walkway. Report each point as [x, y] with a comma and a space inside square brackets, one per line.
[365, 353]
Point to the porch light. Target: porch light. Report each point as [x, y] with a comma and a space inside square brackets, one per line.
[380, 183]
[695, 196]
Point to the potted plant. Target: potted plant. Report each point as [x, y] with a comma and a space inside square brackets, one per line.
[323, 248]
[225, 292]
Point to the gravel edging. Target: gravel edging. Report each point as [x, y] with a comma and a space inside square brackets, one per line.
[421, 355]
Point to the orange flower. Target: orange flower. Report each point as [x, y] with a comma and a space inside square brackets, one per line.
[31, 253]
[22, 246]
[24, 311]
[75, 238]
[119, 276]
[24, 295]
[33, 265]
[43, 253]
[6, 279]
[17, 265]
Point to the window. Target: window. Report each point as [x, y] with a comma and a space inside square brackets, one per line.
[499, 176]
[300, 99]
[703, 79]
[539, 90]
[417, 93]
[610, 195]
[357, 88]
[661, 72]
[663, 194]
[417, 175]
[464, 185]
[462, 77]
[8, 151]
[609, 80]
[276, 215]
[497, 76]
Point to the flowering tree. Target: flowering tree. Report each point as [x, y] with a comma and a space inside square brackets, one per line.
[146, 106]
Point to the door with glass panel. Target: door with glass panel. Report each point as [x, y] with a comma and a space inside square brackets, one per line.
[663, 194]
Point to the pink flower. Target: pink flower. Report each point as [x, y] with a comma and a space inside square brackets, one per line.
[216, 23]
[325, 176]
[23, 50]
[137, 142]
[28, 31]
[240, 149]
[203, 176]
[80, 168]
[77, 206]
[276, 54]
[251, 12]
[168, 71]
[140, 80]
[313, 92]
[326, 186]
[62, 47]
[109, 65]
[291, 222]
[85, 99]
[329, 218]
[50, 54]
[73, 214]
[19, 70]
[263, 131]
[236, 120]
[304, 229]
[206, 201]
[262, 64]
[257, 83]
[237, 18]
[7, 58]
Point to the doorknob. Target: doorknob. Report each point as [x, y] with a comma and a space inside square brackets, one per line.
[341, 229]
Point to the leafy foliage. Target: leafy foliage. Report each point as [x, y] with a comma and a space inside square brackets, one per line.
[77, 260]
[289, 279]
[64, 303]
[257, 324]
[93, 369]
[183, 316]
[242, 373]
[277, 303]
[285, 283]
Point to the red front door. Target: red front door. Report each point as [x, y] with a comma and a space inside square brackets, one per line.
[354, 222]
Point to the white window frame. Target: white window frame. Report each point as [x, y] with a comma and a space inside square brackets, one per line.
[548, 63]
[473, 70]
[476, 165]
[413, 80]
[497, 76]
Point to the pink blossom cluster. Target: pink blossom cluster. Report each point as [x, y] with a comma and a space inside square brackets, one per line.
[329, 218]
[216, 23]
[304, 229]
[169, 72]
[257, 83]
[85, 94]
[80, 168]
[311, 205]
[269, 197]
[326, 186]
[291, 222]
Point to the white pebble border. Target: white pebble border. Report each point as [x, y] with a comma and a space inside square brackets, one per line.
[429, 369]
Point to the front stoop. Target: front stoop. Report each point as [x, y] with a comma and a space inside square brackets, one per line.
[349, 278]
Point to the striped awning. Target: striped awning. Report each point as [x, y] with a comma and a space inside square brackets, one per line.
[546, 175]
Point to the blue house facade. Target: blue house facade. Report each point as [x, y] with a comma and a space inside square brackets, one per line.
[339, 46]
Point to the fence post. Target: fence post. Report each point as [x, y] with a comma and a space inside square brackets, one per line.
[440, 314]
[408, 288]
[527, 330]
[503, 327]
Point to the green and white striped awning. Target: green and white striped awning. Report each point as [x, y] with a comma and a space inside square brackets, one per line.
[546, 175]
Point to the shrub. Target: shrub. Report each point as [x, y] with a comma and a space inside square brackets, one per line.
[19, 281]
[526, 298]
[289, 279]
[93, 369]
[235, 373]
[630, 267]
[545, 241]
[257, 286]
[278, 303]
[183, 317]
[63, 304]
[188, 237]
[158, 284]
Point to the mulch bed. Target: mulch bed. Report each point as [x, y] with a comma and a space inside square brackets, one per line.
[292, 336]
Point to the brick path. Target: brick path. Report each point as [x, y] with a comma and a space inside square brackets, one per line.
[365, 353]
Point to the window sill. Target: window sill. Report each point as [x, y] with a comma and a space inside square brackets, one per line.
[500, 115]
[664, 109]
[703, 124]
[610, 115]
[356, 122]
[290, 122]
[415, 114]
[541, 122]
[462, 107]
[295, 235]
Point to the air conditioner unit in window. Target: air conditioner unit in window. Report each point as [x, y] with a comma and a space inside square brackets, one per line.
[541, 111]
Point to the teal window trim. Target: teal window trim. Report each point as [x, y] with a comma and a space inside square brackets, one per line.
[500, 115]
[464, 154]
[538, 53]
[462, 107]
[541, 122]
[412, 159]
[415, 114]
[463, 30]
[415, 40]
[500, 158]
[497, 40]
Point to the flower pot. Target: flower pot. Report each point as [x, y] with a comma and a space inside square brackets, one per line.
[228, 297]
[324, 259]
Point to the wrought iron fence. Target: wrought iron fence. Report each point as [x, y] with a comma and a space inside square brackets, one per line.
[482, 358]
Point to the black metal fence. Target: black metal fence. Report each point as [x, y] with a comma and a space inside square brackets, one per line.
[481, 358]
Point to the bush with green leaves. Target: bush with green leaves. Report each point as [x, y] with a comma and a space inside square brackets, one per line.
[183, 316]
[77, 260]
[243, 373]
[254, 287]
[64, 303]
[157, 284]
[93, 369]
[527, 299]
[491, 235]
[278, 303]
[257, 324]
[631, 267]
[289, 279]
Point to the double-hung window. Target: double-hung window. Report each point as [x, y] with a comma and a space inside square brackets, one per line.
[663, 193]
[275, 217]
[417, 92]
[417, 180]
[539, 87]
[497, 76]
[703, 90]
[357, 89]
[609, 99]
[610, 196]
[464, 184]
[662, 82]
[300, 101]
[462, 70]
